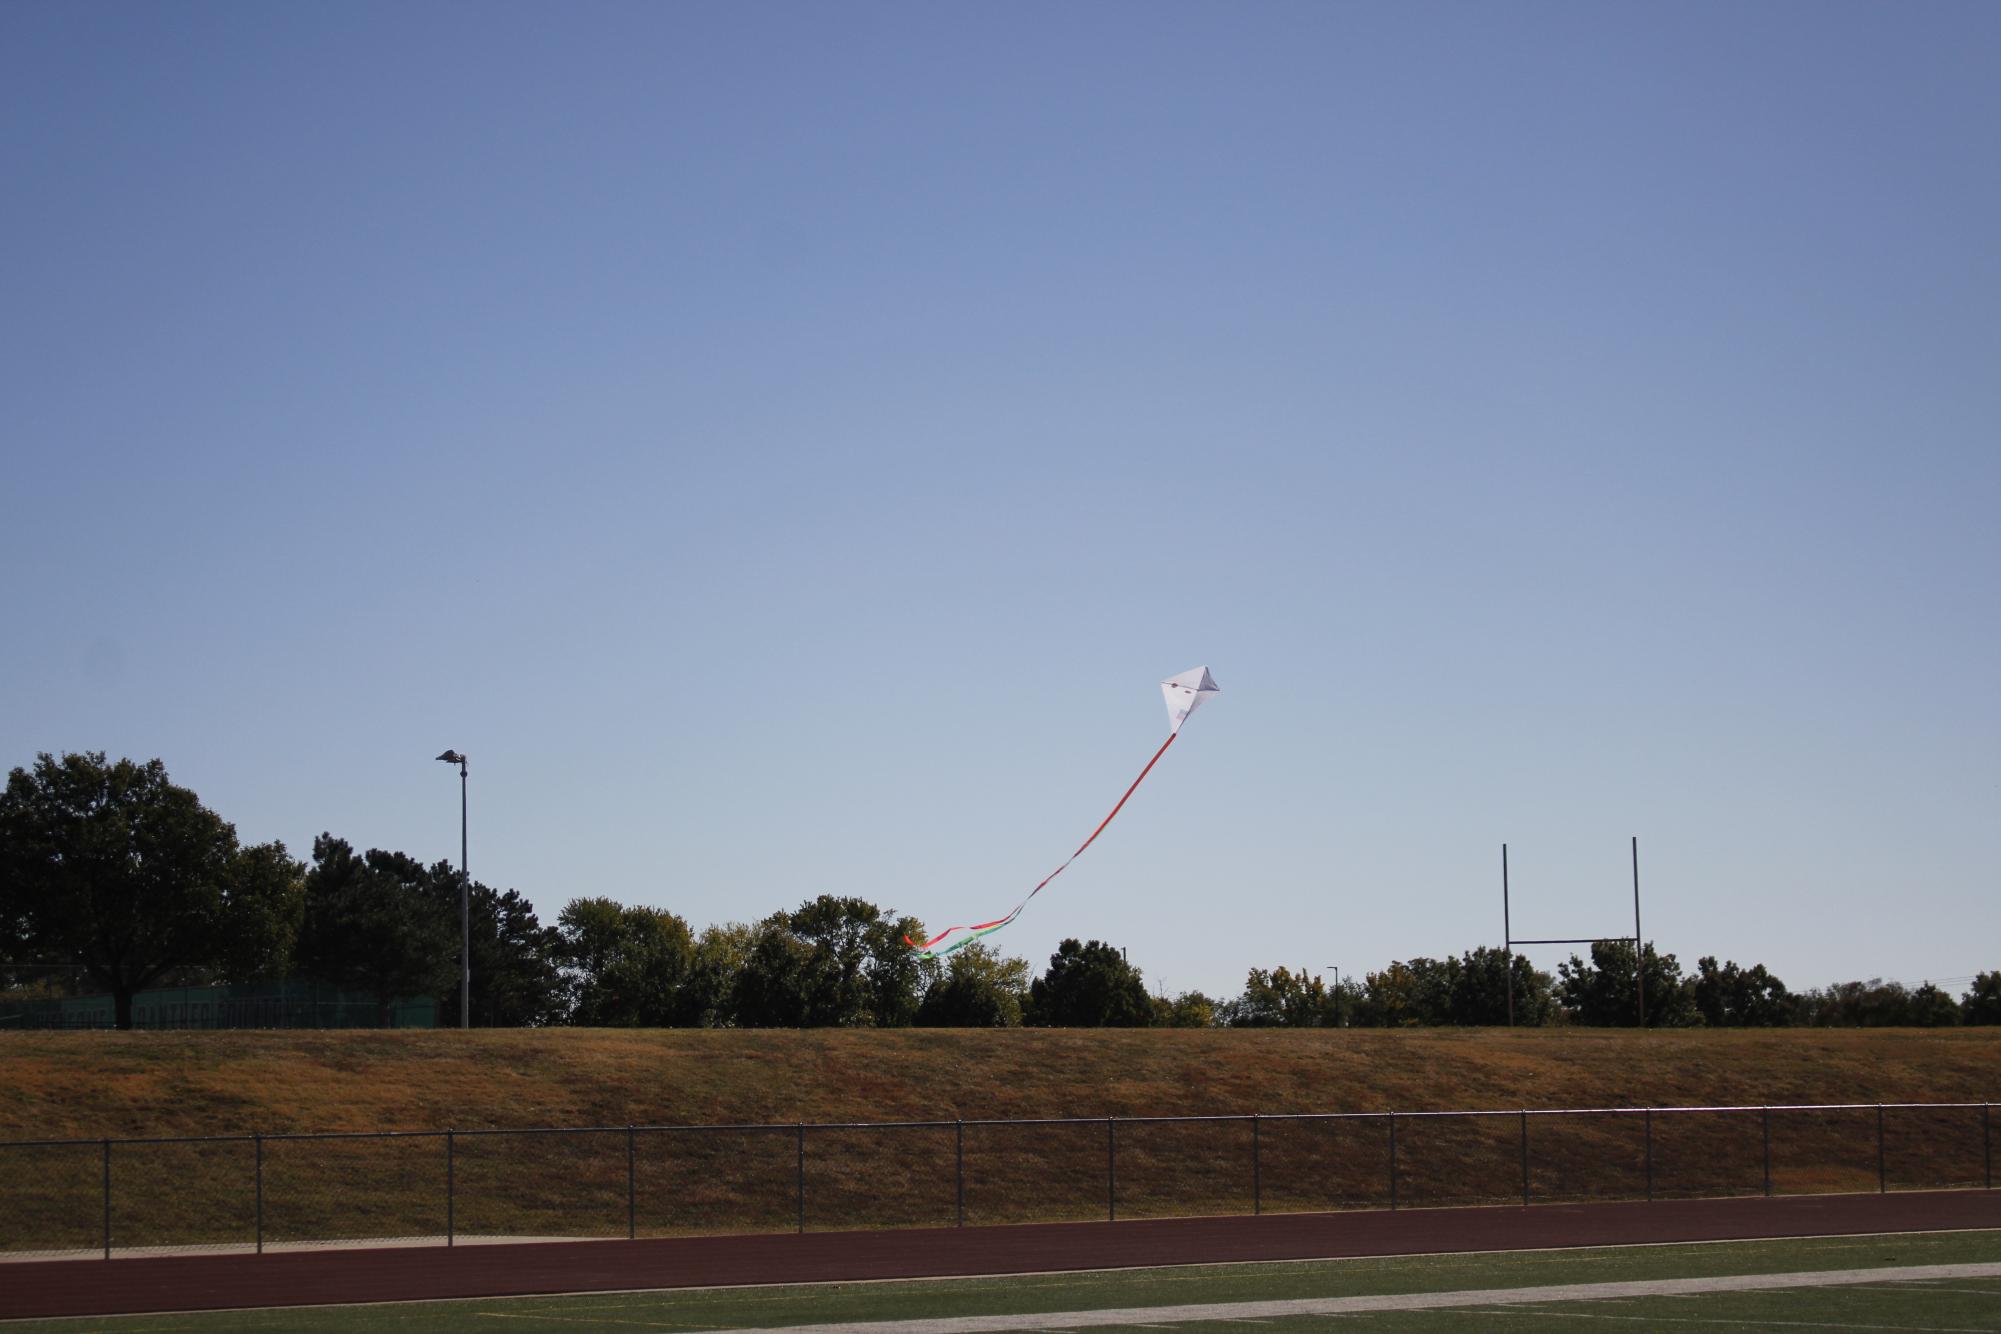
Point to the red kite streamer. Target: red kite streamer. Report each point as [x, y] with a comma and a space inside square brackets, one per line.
[1184, 694]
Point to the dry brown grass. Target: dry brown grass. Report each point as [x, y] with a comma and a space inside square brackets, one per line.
[690, 1181]
[59, 1085]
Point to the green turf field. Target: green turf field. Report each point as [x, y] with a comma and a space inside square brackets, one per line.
[1957, 1303]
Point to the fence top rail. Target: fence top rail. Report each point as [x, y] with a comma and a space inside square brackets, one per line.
[1226, 1116]
[1041, 1121]
[794, 1127]
[294, 1135]
[882, 1125]
[1827, 1107]
[101, 1141]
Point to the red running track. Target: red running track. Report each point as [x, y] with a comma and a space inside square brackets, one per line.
[300, 1278]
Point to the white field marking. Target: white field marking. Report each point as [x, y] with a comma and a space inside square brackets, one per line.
[1405, 1301]
[1725, 1320]
[596, 1322]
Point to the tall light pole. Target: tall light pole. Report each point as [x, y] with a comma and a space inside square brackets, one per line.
[465, 899]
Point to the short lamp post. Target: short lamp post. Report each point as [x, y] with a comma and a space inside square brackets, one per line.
[465, 899]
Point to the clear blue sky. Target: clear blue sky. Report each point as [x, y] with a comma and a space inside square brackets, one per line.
[784, 445]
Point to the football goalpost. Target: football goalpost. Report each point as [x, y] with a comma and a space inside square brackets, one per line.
[1639, 951]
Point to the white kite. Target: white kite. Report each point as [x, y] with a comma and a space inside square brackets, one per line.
[1184, 693]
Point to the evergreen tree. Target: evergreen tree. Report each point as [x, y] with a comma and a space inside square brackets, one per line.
[1089, 986]
[371, 926]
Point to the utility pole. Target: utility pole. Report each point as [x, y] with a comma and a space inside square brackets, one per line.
[465, 899]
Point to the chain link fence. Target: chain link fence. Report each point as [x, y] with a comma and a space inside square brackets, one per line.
[243, 1192]
[287, 1004]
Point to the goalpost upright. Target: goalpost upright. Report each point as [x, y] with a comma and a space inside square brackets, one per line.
[1639, 950]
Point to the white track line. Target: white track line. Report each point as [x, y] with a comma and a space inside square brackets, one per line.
[1720, 1320]
[1402, 1301]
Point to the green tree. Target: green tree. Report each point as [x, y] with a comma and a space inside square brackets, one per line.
[1346, 1001]
[1191, 1009]
[1982, 1002]
[1419, 991]
[1089, 986]
[1390, 998]
[114, 868]
[1727, 996]
[1480, 986]
[979, 988]
[1600, 994]
[372, 925]
[1932, 1007]
[627, 967]
[1438, 983]
[1871, 1004]
[770, 986]
[1281, 998]
[833, 962]
[264, 897]
[721, 958]
[516, 980]
[515, 977]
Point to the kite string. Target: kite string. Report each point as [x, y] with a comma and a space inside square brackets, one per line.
[986, 928]
[1122, 800]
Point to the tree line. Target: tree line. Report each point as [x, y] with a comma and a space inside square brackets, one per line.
[116, 879]
[1604, 991]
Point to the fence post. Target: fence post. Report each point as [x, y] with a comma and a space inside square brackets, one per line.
[631, 1183]
[107, 1199]
[959, 1170]
[1525, 1157]
[1648, 1121]
[258, 1139]
[1882, 1172]
[1765, 1118]
[1987, 1142]
[800, 1179]
[451, 1190]
[1111, 1170]
[1257, 1184]
[1393, 1162]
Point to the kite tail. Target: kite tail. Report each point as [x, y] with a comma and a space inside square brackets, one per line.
[929, 949]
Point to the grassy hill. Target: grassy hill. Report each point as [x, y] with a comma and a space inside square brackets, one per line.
[673, 1182]
[56, 1085]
